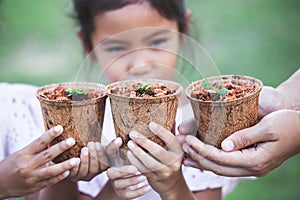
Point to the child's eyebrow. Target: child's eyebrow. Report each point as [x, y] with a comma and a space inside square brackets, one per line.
[112, 41]
[159, 32]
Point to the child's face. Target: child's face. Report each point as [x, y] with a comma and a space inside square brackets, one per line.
[126, 48]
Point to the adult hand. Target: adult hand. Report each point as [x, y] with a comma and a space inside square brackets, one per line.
[26, 171]
[270, 100]
[270, 142]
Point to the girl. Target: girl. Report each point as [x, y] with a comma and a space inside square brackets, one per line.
[140, 39]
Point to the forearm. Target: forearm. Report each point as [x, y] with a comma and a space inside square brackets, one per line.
[4, 182]
[108, 192]
[290, 88]
[298, 128]
[65, 189]
[179, 191]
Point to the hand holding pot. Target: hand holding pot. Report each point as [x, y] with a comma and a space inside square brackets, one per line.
[277, 137]
[27, 171]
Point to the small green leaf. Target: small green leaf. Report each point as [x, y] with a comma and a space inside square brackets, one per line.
[205, 84]
[145, 87]
[74, 91]
[223, 91]
[148, 89]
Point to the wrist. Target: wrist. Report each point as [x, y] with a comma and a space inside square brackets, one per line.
[179, 191]
[3, 192]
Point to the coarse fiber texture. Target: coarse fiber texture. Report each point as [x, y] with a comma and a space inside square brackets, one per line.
[81, 120]
[136, 113]
[216, 120]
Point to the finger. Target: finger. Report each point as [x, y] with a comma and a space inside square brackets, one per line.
[188, 162]
[42, 142]
[168, 137]
[51, 181]
[102, 158]
[243, 158]
[135, 193]
[119, 172]
[206, 164]
[113, 153]
[143, 161]
[54, 170]
[94, 164]
[137, 163]
[246, 137]
[180, 138]
[154, 149]
[52, 152]
[134, 182]
[84, 163]
[188, 127]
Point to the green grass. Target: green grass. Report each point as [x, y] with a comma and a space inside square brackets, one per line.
[258, 38]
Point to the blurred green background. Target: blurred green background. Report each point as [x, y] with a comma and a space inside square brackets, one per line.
[258, 38]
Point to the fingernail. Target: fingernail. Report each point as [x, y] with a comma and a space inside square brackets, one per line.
[58, 129]
[66, 173]
[131, 145]
[85, 151]
[70, 142]
[186, 163]
[144, 183]
[141, 179]
[98, 146]
[74, 161]
[133, 134]
[227, 145]
[185, 148]
[118, 141]
[182, 129]
[91, 145]
[147, 188]
[154, 127]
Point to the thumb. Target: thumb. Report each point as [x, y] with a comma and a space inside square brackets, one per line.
[188, 127]
[246, 137]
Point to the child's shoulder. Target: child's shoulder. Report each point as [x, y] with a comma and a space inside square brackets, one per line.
[20, 87]
[17, 91]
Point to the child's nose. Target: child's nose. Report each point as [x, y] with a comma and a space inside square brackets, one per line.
[139, 64]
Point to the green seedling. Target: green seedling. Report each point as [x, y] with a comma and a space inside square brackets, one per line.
[74, 91]
[144, 88]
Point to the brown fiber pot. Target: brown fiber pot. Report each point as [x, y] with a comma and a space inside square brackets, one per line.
[136, 113]
[82, 120]
[216, 120]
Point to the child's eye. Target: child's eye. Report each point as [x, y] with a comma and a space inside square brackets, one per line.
[157, 42]
[115, 49]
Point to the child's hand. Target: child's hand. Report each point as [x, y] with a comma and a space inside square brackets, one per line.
[26, 171]
[93, 161]
[161, 166]
[128, 182]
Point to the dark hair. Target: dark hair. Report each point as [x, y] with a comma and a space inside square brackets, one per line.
[86, 10]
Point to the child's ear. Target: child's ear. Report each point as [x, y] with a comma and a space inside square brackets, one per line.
[81, 38]
[187, 16]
